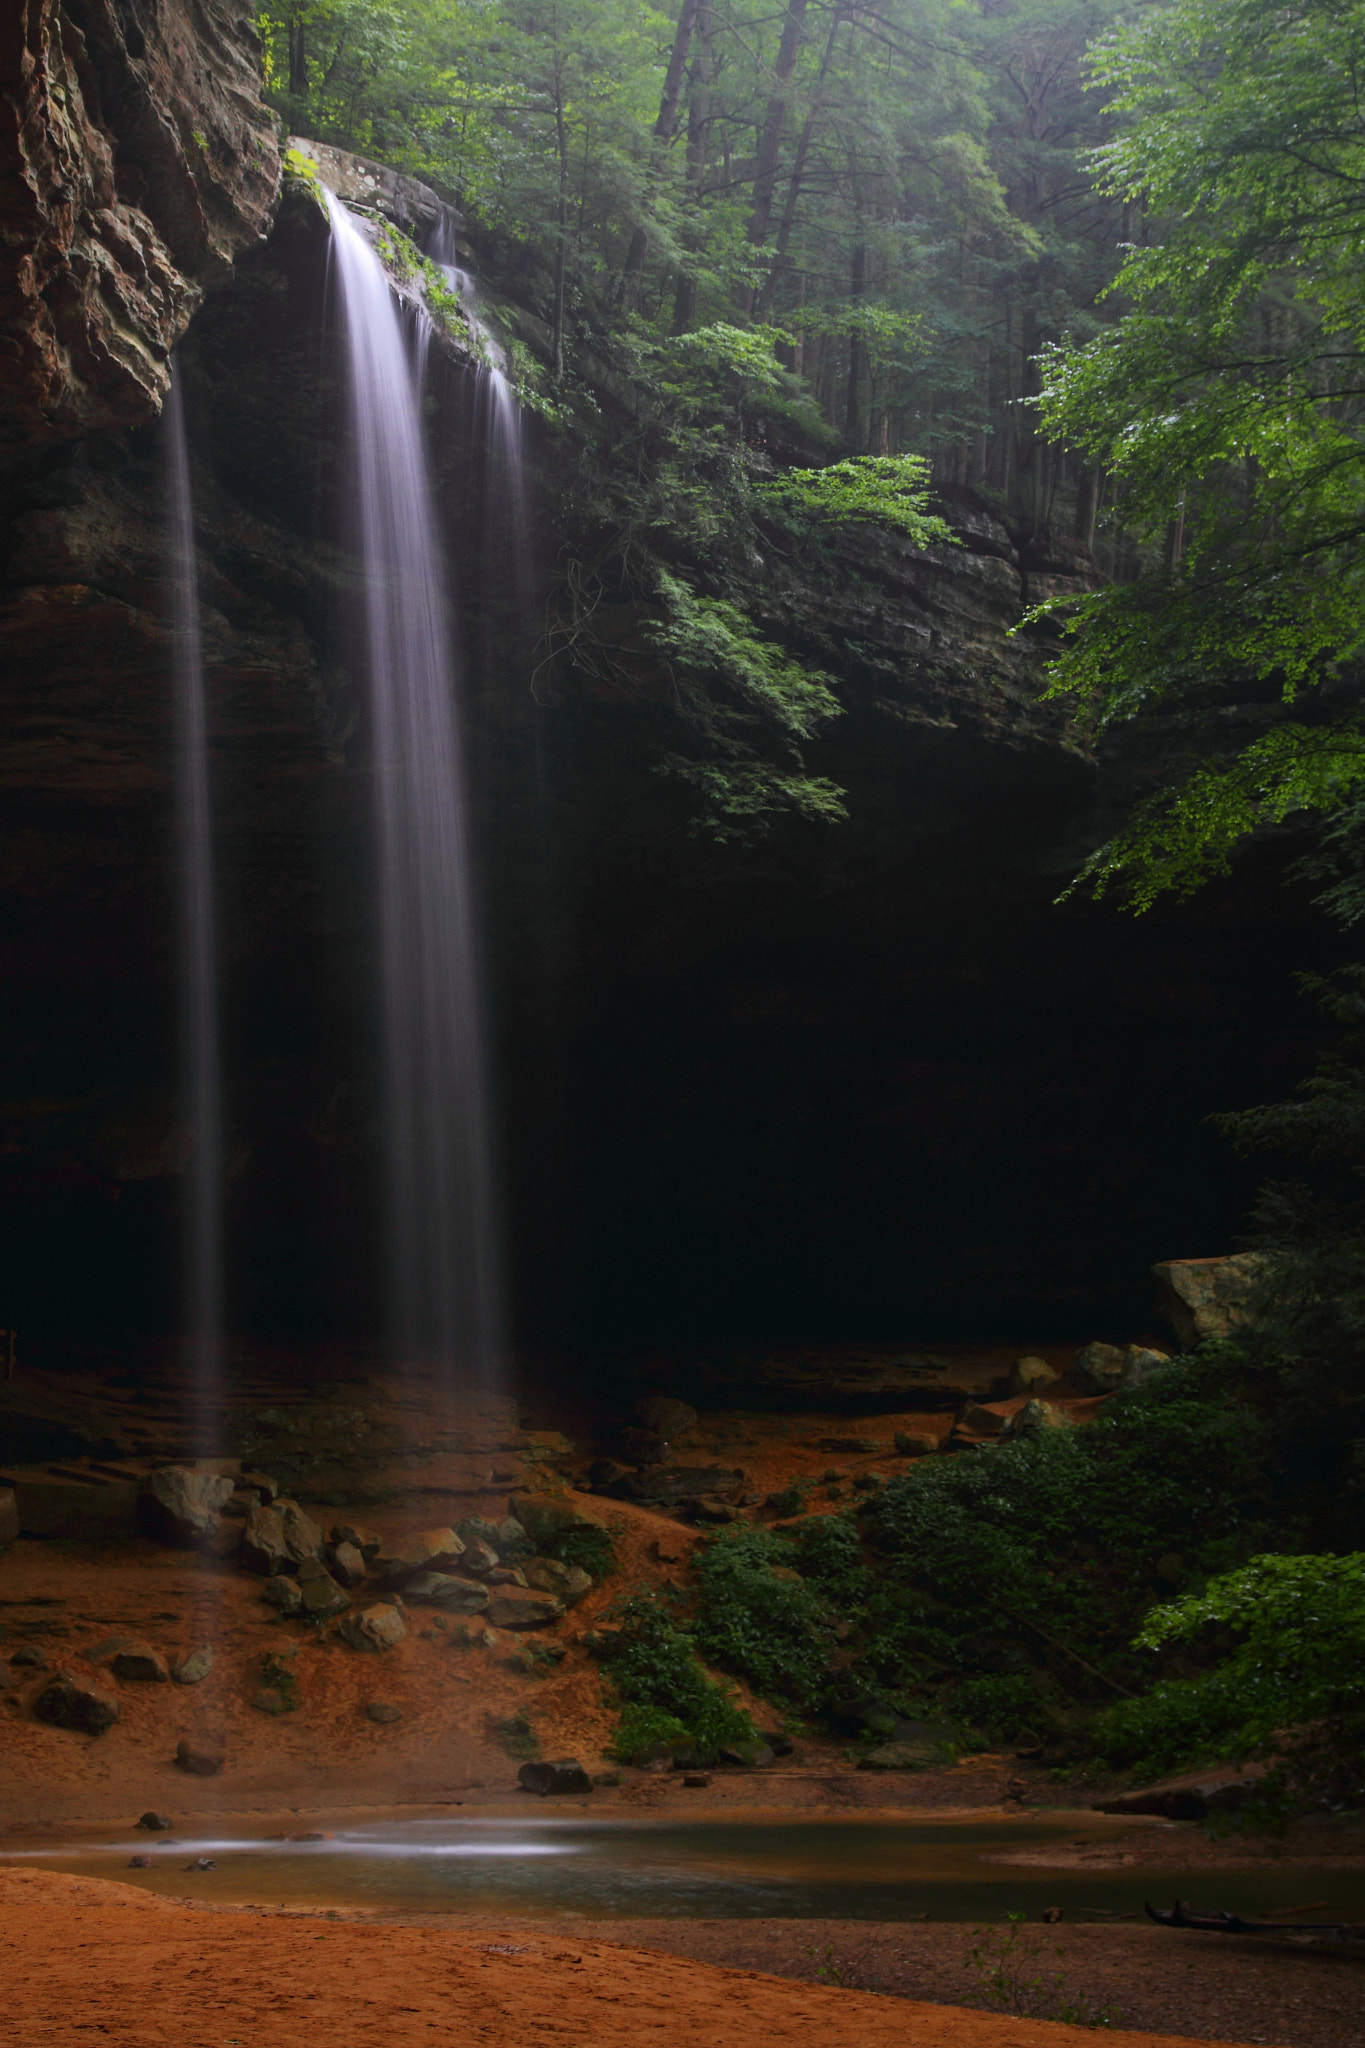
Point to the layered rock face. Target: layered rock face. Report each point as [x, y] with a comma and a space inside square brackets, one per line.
[136, 161]
[860, 1080]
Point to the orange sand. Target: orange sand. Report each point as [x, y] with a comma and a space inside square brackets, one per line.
[81, 1959]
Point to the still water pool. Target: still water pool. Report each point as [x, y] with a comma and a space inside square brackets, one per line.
[799, 1870]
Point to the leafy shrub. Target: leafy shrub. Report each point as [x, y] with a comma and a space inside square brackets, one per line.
[892, 490]
[773, 1631]
[1007, 1708]
[592, 1550]
[641, 1727]
[651, 1663]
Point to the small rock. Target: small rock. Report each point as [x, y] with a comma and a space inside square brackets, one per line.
[547, 1516]
[606, 1778]
[154, 1822]
[696, 1781]
[568, 1775]
[139, 1862]
[181, 1505]
[364, 1540]
[263, 1546]
[1099, 1369]
[283, 1595]
[479, 1556]
[202, 1863]
[915, 1443]
[381, 1711]
[523, 1607]
[979, 1421]
[1053, 1916]
[750, 1754]
[1030, 1375]
[1035, 1417]
[667, 1417]
[193, 1668]
[270, 1700]
[1139, 1364]
[311, 1835]
[427, 1550]
[319, 1592]
[704, 1508]
[850, 1446]
[202, 1756]
[380, 1627]
[141, 1662]
[897, 1756]
[68, 1702]
[30, 1660]
[348, 1564]
[568, 1582]
[507, 1575]
[1171, 1567]
[655, 1756]
[451, 1595]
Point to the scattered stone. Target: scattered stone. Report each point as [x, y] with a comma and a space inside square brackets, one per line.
[750, 1754]
[319, 1592]
[487, 1639]
[706, 1509]
[311, 1835]
[271, 1700]
[547, 1516]
[479, 1556]
[453, 1596]
[1139, 1364]
[506, 1575]
[696, 1781]
[1099, 1369]
[68, 1702]
[568, 1775]
[1030, 1375]
[263, 1547]
[258, 1484]
[523, 1607]
[914, 1443]
[669, 1418]
[193, 1668]
[979, 1421]
[568, 1582]
[139, 1862]
[30, 1659]
[380, 1627]
[364, 1540]
[154, 1822]
[1035, 1417]
[428, 1550]
[671, 1485]
[897, 1756]
[202, 1863]
[1203, 1298]
[348, 1564]
[181, 1505]
[382, 1712]
[140, 1662]
[202, 1756]
[283, 1595]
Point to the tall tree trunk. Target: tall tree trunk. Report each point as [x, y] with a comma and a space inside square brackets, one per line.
[298, 62]
[770, 135]
[798, 170]
[698, 138]
[562, 223]
[665, 128]
[857, 288]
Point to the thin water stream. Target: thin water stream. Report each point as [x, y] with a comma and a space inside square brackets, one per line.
[201, 1109]
[578, 1867]
[440, 1195]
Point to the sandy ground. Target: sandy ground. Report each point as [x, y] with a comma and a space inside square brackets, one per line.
[81, 1959]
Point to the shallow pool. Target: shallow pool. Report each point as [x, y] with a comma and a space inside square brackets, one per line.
[863, 1870]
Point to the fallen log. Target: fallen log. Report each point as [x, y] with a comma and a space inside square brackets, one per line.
[1182, 1914]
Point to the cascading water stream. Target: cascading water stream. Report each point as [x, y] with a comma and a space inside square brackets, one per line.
[441, 1215]
[200, 1080]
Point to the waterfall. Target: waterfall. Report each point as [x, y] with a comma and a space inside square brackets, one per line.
[441, 1225]
[200, 1083]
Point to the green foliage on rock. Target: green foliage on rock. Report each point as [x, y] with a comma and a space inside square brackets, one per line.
[653, 1668]
[891, 490]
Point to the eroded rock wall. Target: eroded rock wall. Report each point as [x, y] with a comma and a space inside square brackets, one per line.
[136, 161]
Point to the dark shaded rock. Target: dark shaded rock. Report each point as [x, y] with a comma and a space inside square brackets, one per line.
[643, 1447]
[139, 1862]
[696, 1781]
[203, 1756]
[898, 1756]
[383, 1713]
[180, 1505]
[68, 1702]
[523, 1607]
[1204, 1298]
[849, 1446]
[604, 1473]
[979, 1421]
[705, 1509]
[1030, 1376]
[749, 1754]
[271, 1699]
[479, 1556]
[665, 1416]
[915, 1444]
[139, 1661]
[30, 1659]
[1035, 1417]
[375, 1628]
[427, 1550]
[568, 1582]
[1139, 1364]
[202, 1863]
[654, 1756]
[671, 1485]
[548, 1516]
[283, 1595]
[568, 1775]
[348, 1566]
[452, 1595]
[319, 1592]
[365, 1541]
[1197, 1796]
[154, 1822]
[506, 1575]
[1098, 1369]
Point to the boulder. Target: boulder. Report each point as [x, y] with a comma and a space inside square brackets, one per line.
[665, 1416]
[706, 1509]
[671, 1485]
[546, 1516]
[139, 1661]
[375, 1628]
[852, 1446]
[194, 1667]
[506, 1575]
[1098, 1369]
[1203, 1298]
[979, 1421]
[1139, 1364]
[1035, 1417]
[523, 1607]
[382, 1712]
[68, 1702]
[1030, 1375]
[568, 1775]
[479, 1556]
[897, 1756]
[319, 1592]
[750, 1754]
[203, 1756]
[568, 1582]
[644, 1447]
[9, 1516]
[364, 1540]
[154, 1822]
[278, 1539]
[915, 1444]
[426, 1550]
[451, 1595]
[348, 1564]
[183, 1506]
[1197, 1796]
[283, 1595]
